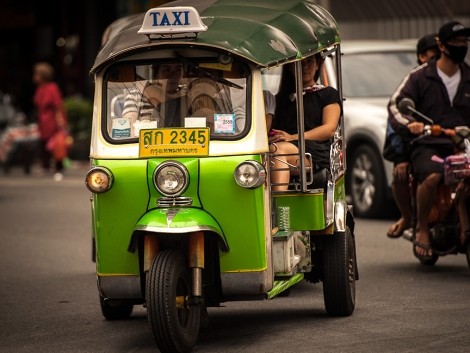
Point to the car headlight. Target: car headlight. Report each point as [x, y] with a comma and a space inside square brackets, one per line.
[250, 174]
[171, 178]
[99, 180]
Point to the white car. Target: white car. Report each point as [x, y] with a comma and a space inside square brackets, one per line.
[371, 70]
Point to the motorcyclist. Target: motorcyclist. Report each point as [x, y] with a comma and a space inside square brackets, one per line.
[441, 90]
[396, 150]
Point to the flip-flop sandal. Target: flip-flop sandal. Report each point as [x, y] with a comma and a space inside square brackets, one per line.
[424, 246]
[396, 230]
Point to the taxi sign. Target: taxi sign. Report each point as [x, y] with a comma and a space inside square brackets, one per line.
[174, 142]
[169, 20]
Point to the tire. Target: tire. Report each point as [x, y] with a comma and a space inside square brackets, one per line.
[339, 273]
[429, 262]
[116, 310]
[175, 329]
[365, 182]
[467, 254]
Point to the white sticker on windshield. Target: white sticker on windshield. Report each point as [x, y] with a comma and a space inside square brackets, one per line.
[195, 121]
[224, 123]
[121, 128]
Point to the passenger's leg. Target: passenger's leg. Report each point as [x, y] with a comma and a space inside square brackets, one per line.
[401, 193]
[428, 175]
[425, 198]
[286, 156]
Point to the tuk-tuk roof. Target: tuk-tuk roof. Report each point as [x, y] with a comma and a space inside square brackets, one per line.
[265, 32]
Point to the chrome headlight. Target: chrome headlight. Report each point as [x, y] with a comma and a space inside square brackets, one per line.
[250, 174]
[171, 178]
[99, 180]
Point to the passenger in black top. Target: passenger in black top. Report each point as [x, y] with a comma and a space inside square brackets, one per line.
[321, 115]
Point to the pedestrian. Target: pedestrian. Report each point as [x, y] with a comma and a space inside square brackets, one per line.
[52, 119]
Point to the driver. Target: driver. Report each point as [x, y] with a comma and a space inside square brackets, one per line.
[441, 90]
[160, 104]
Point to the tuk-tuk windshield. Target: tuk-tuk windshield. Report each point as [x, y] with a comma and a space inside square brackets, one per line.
[176, 93]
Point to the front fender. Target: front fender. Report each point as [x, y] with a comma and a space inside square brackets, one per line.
[178, 221]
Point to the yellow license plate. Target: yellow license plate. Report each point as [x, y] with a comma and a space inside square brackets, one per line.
[174, 142]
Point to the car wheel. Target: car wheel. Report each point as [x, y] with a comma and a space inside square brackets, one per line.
[365, 182]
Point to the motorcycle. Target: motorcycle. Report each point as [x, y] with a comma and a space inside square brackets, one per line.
[445, 216]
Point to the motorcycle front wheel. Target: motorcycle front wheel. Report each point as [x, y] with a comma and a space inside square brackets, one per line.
[174, 320]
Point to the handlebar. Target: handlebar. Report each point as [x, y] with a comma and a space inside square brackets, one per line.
[437, 130]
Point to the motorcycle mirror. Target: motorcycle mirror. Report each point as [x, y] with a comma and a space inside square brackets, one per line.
[406, 106]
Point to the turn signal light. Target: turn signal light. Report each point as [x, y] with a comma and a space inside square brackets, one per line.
[99, 180]
[250, 174]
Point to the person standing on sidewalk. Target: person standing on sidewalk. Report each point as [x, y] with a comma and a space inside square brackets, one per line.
[52, 120]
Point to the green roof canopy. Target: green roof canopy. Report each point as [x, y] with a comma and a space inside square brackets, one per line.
[265, 32]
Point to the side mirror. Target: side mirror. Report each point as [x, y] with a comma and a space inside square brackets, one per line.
[406, 106]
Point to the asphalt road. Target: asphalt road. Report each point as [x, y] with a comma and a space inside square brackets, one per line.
[49, 300]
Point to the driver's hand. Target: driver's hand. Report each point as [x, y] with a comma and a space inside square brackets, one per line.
[416, 128]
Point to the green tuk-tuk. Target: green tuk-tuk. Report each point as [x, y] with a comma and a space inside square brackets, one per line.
[183, 210]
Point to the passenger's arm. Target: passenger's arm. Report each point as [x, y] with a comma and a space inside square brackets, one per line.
[327, 130]
[323, 132]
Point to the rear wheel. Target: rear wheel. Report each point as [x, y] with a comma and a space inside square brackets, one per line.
[115, 310]
[468, 254]
[339, 273]
[174, 320]
[365, 182]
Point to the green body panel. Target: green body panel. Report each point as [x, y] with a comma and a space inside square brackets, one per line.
[219, 205]
[182, 220]
[115, 215]
[239, 211]
[306, 210]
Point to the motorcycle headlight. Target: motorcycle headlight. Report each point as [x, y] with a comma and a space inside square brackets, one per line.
[171, 178]
[99, 180]
[250, 174]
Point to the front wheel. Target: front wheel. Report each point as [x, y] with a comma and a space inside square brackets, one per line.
[173, 318]
[339, 273]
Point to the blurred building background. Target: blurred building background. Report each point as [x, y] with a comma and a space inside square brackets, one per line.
[67, 33]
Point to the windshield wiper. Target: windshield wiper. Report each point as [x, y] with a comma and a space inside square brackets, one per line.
[208, 74]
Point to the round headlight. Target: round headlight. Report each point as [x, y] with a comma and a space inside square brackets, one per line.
[171, 178]
[99, 180]
[250, 174]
